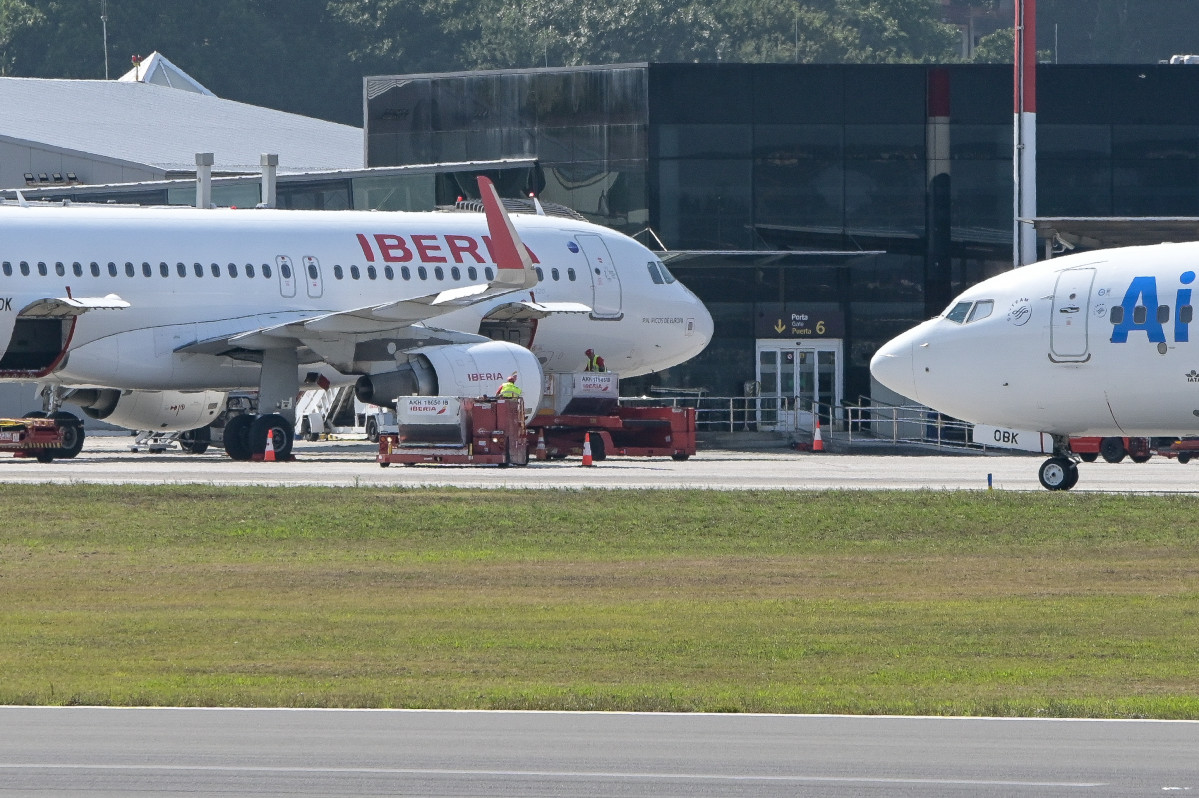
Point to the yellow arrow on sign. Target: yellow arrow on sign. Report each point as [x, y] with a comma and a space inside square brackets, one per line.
[779, 326]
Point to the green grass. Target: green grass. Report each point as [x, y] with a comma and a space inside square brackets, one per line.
[859, 602]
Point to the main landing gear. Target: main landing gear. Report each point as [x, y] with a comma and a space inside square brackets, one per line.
[246, 436]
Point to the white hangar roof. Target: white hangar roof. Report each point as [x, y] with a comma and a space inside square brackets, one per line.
[162, 124]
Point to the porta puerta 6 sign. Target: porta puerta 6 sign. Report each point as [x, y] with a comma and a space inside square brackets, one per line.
[799, 322]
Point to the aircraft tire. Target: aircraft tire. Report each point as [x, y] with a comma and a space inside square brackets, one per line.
[237, 436]
[1140, 458]
[1089, 457]
[72, 434]
[195, 441]
[1058, 473]
[282, 433]
[1112, 449]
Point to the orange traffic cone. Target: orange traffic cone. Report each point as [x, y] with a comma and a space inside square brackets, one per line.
[817, 441]
[540, 453]
[587, 449]
[268, 454]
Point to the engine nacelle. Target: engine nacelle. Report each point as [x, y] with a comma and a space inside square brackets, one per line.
[167, 411]
[470, 370]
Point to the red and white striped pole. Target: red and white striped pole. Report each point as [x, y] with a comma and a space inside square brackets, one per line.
[1024, 243]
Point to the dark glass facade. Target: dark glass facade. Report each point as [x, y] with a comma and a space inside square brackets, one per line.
[768, 157]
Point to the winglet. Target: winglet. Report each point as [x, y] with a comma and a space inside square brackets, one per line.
[512, 260]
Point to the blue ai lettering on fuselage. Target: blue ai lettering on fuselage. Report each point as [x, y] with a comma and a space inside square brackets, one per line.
[1142, 294]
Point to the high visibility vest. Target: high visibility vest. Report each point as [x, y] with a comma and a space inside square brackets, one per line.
[509, 390]
[593, 363]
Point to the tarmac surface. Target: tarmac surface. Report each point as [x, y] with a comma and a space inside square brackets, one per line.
[216, 752]
[107, 459]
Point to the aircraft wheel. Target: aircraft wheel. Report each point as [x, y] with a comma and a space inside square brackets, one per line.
[237, 436]
[72, 434]
[1089, 457]
[195, 441]
[372, 430]
[1112, 449]
[680, 456]
[1140, 458]
[1058, 473]
[281, 435]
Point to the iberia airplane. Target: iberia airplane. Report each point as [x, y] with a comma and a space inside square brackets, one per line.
[148, 317]
[1090, 344]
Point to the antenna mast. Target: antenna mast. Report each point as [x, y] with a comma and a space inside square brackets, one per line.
[104, 26]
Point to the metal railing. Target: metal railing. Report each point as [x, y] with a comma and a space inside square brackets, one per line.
[863, 423]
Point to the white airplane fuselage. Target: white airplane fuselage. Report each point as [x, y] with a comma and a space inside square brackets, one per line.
[1092, 344]
[191, 276]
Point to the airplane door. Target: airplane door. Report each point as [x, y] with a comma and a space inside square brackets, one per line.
[287, 276]
[1071, 312]
[312, 273]
[605, 282]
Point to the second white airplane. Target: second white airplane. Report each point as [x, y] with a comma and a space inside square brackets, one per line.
[1090, 344]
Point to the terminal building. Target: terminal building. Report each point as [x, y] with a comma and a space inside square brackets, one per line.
[818, 210]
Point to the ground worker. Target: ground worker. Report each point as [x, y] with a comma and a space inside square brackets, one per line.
[509, 390]
[594, 361]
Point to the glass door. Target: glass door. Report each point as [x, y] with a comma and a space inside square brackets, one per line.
[796, 381]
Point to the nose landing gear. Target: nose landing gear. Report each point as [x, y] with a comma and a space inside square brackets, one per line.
[1058, 473]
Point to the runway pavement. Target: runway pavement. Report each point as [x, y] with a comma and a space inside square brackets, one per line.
[107, 459]
[198, 752]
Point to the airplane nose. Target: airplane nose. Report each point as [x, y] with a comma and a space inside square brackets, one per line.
[894, 366]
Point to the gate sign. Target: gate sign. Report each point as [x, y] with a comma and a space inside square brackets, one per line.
[796, 321]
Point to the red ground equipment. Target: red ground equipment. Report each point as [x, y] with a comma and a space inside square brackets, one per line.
[588, 402]
[437, 430]
[42, 438]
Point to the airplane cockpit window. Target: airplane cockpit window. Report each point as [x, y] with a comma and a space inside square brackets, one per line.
[957, 314]
[666, 275]
[654, 274]
[982, 309]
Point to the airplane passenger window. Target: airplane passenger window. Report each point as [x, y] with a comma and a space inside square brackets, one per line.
[354, 272]
[389, 272]
[338, 272]
[666, 275]
[147, 270]
[216, 269]
[41, 268]
[129, 269]
[164, 269]
[439, 272]
[95, 267]
[1163, 314]
[982, 309]
[285, 271]
[554, 274]
[422, 273]
[7, 269]
[456, 273]
[570, 274]
[405, 273]
[654, 274]
[60, 270]
[540, 273]
[181, 269]
[24, 269]
[232, 269]
[199, 269]
[1139, 314]
[1185, 313]
[472, 273]
[372, 272]
[249, 270]
[112, 269]
[957, 314]
[1117, 315]
[266, 270]
[77, 268]
[312, 272]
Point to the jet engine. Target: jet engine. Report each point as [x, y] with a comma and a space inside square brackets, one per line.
[166, 411]
[470, 370]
